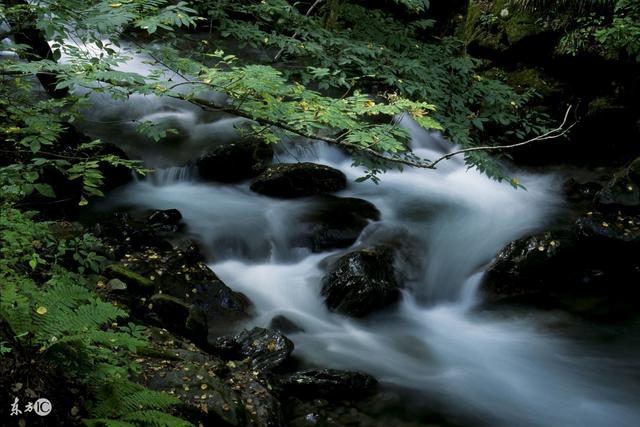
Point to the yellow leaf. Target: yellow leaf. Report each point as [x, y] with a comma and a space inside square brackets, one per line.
[115, 5]
[41, 310]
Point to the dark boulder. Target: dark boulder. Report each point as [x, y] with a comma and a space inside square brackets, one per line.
[165, 217]
[167, 220]
[265, 348]
[284, 325]
[361, 282]
[235, 162]
[298, 180]
[585, 268]
[622, 192]
[334, 222]
[114, 175]
[189, 298]
[212, 391]
[328, 383]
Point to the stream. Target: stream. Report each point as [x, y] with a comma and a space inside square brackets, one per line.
[435, 345]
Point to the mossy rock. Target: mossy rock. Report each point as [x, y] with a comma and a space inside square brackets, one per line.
[497, 26]
[134, 281]
[530, 78]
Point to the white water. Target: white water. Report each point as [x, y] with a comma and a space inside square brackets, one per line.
[450, 223]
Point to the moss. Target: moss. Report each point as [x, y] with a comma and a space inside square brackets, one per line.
[134, 281]
[525, 78]
[497, 26]
[601, 103]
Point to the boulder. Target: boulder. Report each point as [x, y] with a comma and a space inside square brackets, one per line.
[235, 162]
[361, 282]
[328, 383]
[212, 391]
[114, 175]
[188, 297]
[265, 349]
[334, 222]
[590, 268]
[284, 325]
[298, 180]
[167, 217]
[622, 192]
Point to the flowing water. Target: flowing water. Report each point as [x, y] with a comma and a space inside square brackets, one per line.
[448, 223]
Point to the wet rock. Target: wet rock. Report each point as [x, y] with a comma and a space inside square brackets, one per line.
[328, 383]
[361, 282]
[235, 162]
[284, 325]
[189, 288]
[298, 180]
[167, 217]
[582, 269]
[267, 349]
[134, 282]
[577, 191]
[186, 319]
[622, 192]
[334, 222]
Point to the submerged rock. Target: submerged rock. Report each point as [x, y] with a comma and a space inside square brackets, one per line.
[328, 383]
[361, 282]
[334, 222]
[235, 162]
[298, 180]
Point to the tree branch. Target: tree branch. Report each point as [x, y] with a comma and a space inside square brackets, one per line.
[552, 134]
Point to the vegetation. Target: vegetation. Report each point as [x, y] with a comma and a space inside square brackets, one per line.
[337, 71]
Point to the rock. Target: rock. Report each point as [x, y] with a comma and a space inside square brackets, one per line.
[168, 217]
[531, 265]
[328, 383]
[185, 318]
[590, 269]
[114, 175]
[622, 192]
[334, 222]
[136, 283]
[267, 349]
[284, 325]
[577, 191]
[361, 282]
[194, 300]
[235, 162]
[493, 27]
[298, 180]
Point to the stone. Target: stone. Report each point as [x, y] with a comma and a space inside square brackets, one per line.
[622, 192]
[334, 222]
[330, 384]
[267, 349]
[235, 162]
[291, 180]
[361, 282]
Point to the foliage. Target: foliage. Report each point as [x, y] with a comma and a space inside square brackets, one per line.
[372, 52]
[610, 28]
[47, 302]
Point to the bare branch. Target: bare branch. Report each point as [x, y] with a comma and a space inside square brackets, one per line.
[552, 134]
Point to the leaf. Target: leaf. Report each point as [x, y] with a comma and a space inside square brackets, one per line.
[45, 190]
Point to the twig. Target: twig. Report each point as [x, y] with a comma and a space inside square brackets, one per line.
[552, 134]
